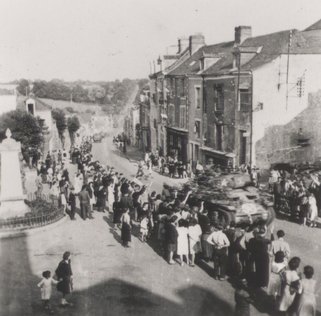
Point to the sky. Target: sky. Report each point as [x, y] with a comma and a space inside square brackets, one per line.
[116, 39]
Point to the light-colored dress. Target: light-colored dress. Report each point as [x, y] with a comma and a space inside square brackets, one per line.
[194, 234]
[307, 305]
[78, 183]
[111, 196]
[46, 287]
[313, 208]
[182, 241]
[287, 297]
[275, 282]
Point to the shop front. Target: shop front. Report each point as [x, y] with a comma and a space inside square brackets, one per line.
[177, 141]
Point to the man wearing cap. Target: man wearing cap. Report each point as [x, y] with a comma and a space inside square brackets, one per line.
[220, 244]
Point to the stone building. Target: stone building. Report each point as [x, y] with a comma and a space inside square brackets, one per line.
[253, 100]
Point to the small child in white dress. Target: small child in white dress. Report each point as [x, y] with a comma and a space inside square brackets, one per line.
[46, 288]
[144, 229]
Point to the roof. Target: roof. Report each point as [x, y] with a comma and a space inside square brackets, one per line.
[275, 44]
[270, 45]
[307, 42]
[315, 26]
[192, 66]
[40, 105]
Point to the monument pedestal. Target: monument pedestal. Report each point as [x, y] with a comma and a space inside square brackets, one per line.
[11, 191]
[10, 209]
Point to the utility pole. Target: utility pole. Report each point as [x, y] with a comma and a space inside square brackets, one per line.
[287, 70]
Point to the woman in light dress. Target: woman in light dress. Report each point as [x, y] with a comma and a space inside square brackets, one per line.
[78, 183]
[278, 267]
[111, 196]
[194, 238]
[307, 303]
[291, 279]
[313, 210]
[182, 241]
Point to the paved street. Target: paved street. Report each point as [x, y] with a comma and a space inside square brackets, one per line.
[112, 280]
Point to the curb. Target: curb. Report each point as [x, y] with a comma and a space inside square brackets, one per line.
[24, 232]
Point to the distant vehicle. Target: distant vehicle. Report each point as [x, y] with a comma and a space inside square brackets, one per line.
[98, 137]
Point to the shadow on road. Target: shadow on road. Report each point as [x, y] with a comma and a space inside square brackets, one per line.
[19, 294]
[116, 297]
[113, 229]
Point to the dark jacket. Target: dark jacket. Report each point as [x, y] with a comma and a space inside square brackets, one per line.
[84, 197]
[64, 272]
[170, 233]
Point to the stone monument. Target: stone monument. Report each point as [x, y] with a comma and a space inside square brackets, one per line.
[11, 190]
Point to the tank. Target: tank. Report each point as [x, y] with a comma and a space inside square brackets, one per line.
[231, 198]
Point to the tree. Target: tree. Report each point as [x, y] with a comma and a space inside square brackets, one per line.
[79, 94]
[25, 128]
[59, 116]
[23, 86]
[39, 89]
[73, 126]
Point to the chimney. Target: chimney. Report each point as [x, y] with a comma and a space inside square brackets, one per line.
[241, 33]
[195, 42]
[183, 43]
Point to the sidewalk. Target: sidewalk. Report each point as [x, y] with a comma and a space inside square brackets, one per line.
[133, 154]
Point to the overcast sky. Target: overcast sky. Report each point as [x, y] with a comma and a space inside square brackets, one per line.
[109, 39]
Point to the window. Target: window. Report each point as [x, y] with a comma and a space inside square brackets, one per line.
[171, 114]
[197, 129]
[245, 100]
[219, 98]
[182, 116]
[182, 88]
[219, 137]
[198, 97]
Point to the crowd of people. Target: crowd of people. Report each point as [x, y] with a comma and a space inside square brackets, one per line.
[298, 195]
[184, 232]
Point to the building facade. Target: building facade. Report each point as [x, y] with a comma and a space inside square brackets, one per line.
[253, 100]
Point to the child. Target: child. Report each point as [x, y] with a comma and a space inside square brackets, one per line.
[144, 228]
[307, 304]
[46, 288]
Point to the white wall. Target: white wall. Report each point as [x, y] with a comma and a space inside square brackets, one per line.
[265, 90]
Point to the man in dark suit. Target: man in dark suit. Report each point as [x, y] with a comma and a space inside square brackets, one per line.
[84, 200]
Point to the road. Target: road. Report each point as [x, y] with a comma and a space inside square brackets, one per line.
[305, 242]
[112, 280]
